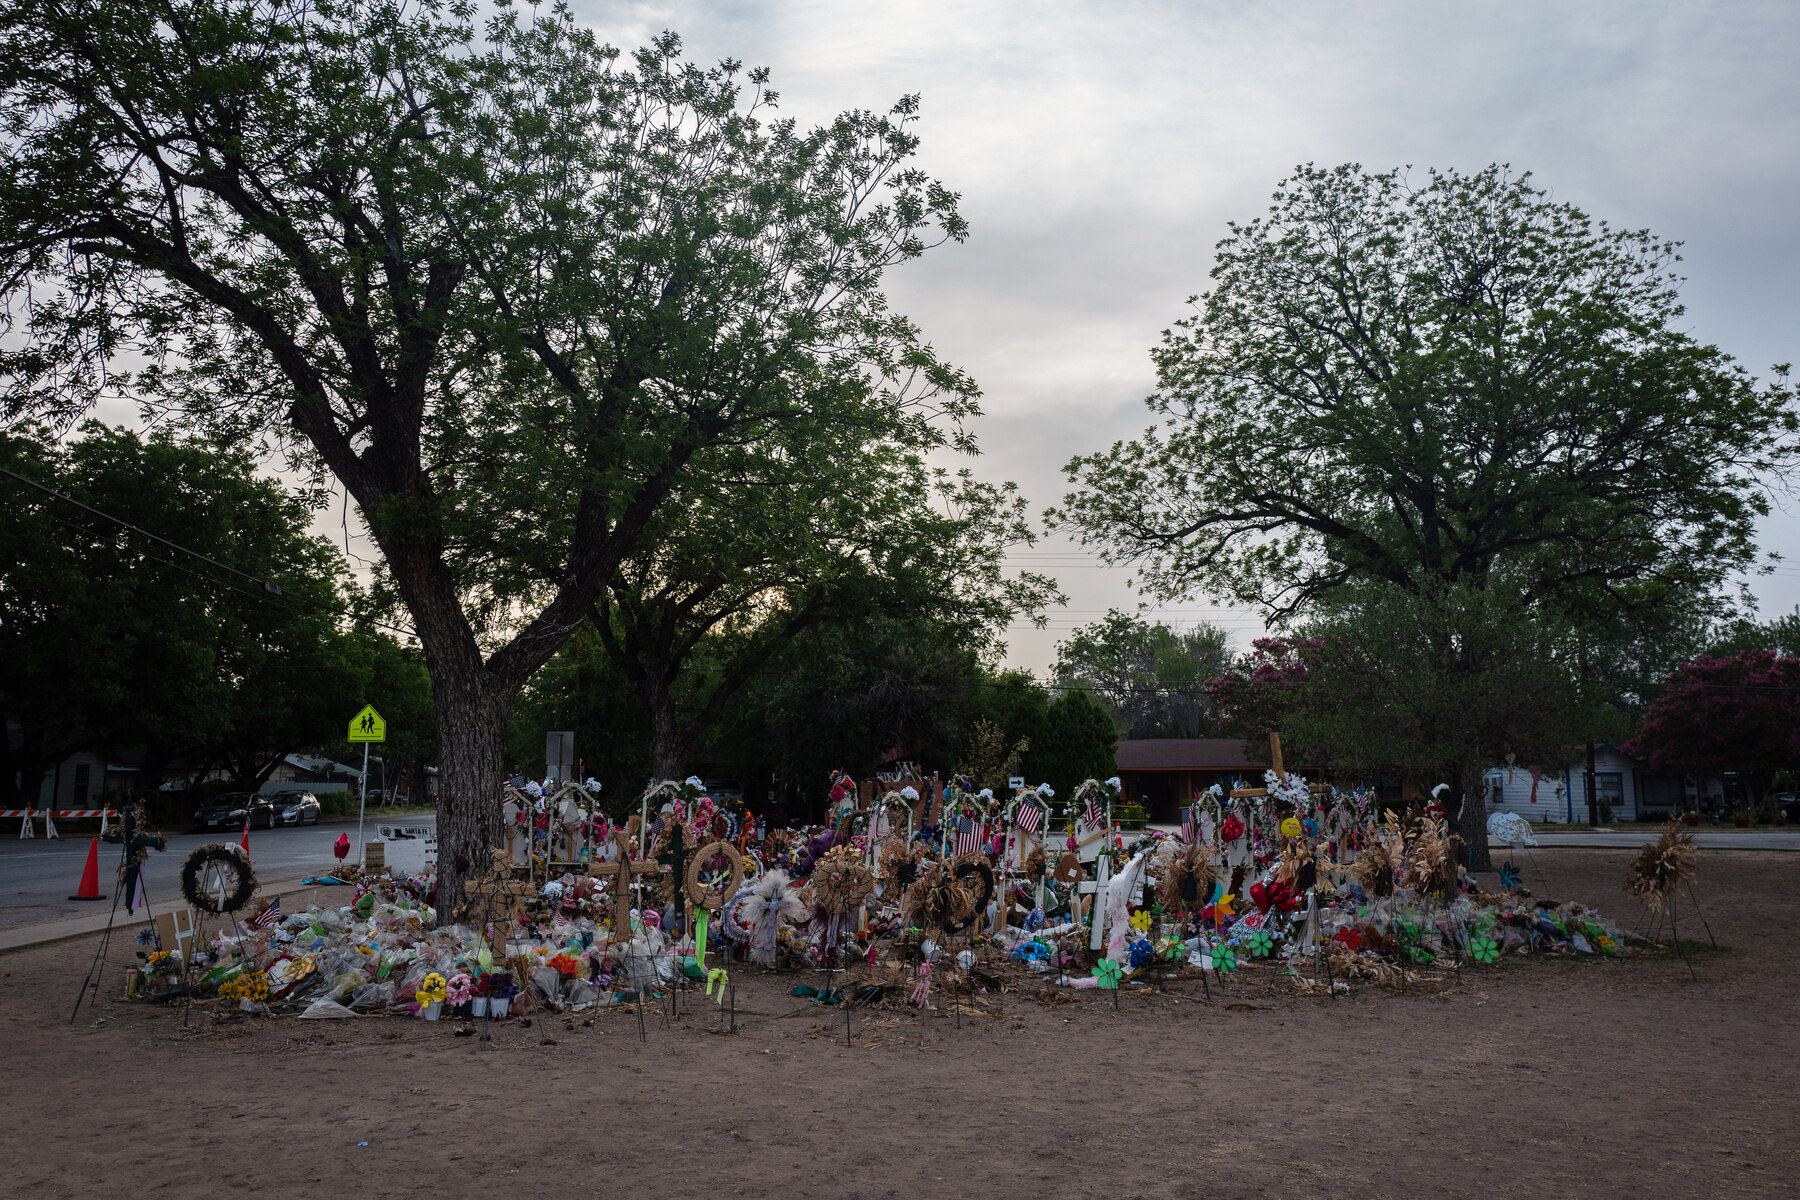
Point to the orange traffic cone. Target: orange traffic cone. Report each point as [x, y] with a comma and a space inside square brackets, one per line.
[90, 875]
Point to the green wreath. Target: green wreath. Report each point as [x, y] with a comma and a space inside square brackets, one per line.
[232, 864]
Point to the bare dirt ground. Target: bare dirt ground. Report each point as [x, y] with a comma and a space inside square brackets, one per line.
[1566, 1077]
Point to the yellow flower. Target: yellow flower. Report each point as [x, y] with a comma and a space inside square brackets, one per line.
[1140, 921]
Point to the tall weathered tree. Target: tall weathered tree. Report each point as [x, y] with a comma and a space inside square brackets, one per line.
[1457, 384]
[503, 285]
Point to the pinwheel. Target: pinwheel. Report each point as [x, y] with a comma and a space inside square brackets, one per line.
[1140, 921]
[1260, 943]
[1509, 875]
[1484, 949]
[1106, 973]
[1224, 958]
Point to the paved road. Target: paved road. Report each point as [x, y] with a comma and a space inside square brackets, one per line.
[38, 876]
[1711, 839]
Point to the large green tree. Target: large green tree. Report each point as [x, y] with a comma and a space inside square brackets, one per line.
[1151, 677]
[1450, 384]
[510, 289]
[113, 638]
[726, 584]
[1428, 687]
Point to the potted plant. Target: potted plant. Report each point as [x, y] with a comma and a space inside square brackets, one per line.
[501, 990]
[1740, 818]
[1691, 818]
[478, 1003]
[430, 996]
[461, 993]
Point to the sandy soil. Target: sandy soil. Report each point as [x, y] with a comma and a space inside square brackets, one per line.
[1588, 1077]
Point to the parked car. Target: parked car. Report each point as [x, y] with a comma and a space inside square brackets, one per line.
[229, 811]
[295, 808]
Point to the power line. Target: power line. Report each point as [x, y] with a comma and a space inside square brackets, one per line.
[269, 591]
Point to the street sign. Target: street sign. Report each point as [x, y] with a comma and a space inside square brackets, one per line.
[367, 726]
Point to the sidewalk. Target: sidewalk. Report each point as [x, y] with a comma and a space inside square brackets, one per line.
[23, 937]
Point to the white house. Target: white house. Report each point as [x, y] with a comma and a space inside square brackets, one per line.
[1628, 786]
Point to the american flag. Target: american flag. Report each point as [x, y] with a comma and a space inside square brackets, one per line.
[968, 836]
[270, 914]
[1093, 816]
[1189, 832]
[1029, 817]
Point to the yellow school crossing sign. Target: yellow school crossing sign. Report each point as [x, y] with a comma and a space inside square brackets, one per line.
[367, 726]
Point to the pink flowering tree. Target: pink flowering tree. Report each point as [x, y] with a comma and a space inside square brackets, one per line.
[1738, 713]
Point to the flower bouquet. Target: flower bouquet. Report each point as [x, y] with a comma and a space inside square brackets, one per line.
[501, 990]
[478, 1002]
[430, 996]
[461, 993]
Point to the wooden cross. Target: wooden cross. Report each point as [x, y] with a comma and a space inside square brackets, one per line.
[1280, 772]
[622, 868]
[675, 858]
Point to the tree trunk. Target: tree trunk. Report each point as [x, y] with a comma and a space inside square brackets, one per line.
[472, 711]
[1471, 820]
[668, 746]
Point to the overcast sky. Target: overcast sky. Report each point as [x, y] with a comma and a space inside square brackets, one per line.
[1100, 149]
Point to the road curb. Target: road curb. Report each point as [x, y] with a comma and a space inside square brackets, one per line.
[46, 933]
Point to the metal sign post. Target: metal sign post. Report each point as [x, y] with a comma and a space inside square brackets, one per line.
[365, 727]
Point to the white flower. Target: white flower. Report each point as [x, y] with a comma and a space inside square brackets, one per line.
[1046, 791]
[985, 794]
[909, 792]
[694, 782]
[1114, 783]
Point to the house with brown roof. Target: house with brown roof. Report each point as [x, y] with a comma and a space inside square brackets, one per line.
[1163, 774]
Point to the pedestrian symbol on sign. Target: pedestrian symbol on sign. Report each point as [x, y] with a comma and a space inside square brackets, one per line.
[367, 726]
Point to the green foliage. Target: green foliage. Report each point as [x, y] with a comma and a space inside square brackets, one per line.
[1428, 384]
[1407, 410]
[1079, 736]
[723, 584]
[1151, 677]
[515, 291]
[1431, 688]
[1782, 635]
[111, 638]
[989, 758]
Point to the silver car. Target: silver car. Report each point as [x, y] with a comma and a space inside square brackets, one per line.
[295, 808]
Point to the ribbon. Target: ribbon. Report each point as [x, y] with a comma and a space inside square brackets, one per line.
[700, 938]
[924, 985]
[716, 975]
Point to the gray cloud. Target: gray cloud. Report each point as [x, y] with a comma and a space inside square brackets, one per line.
[1101, 148]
